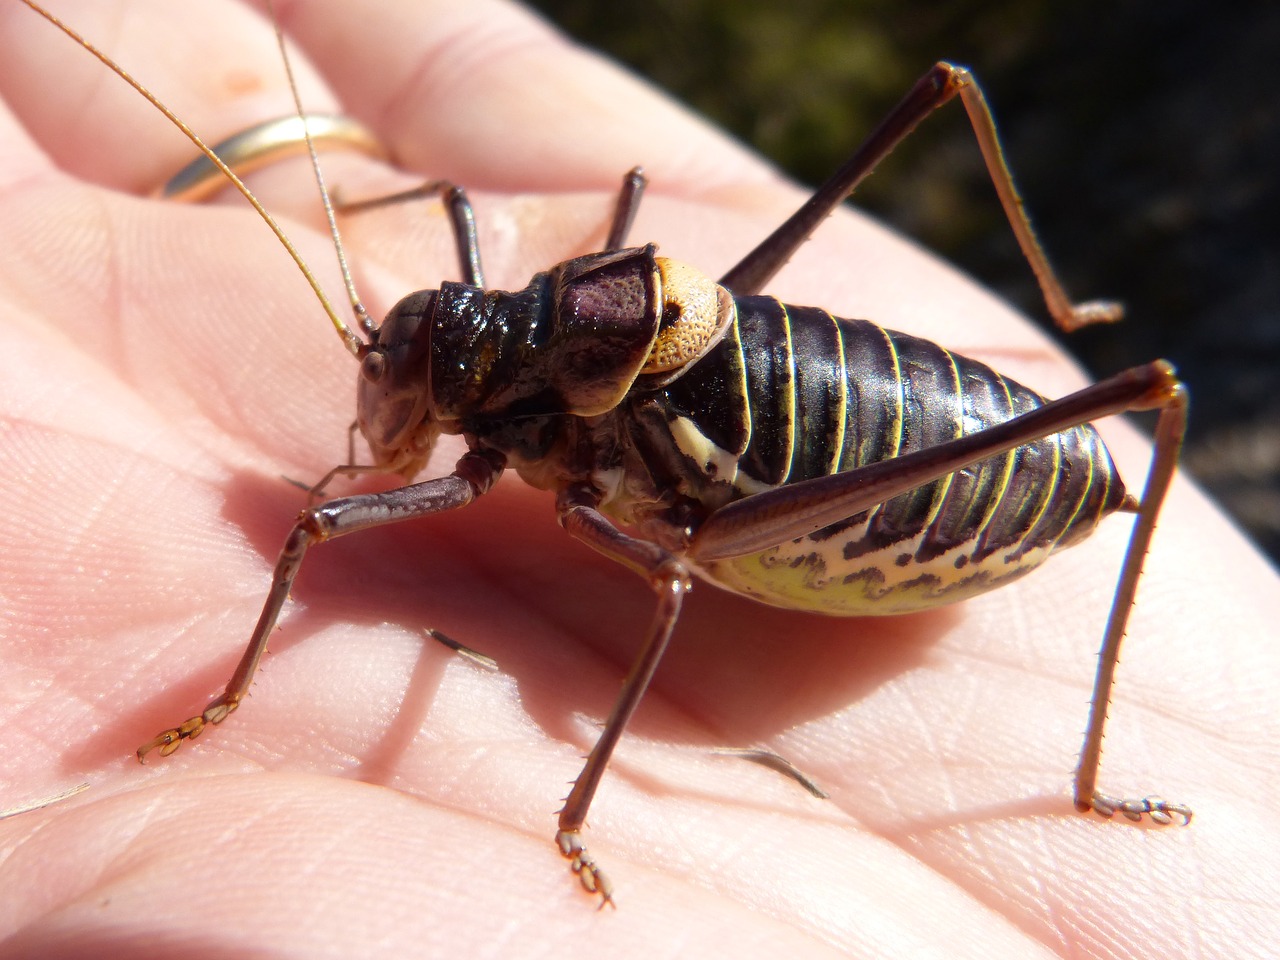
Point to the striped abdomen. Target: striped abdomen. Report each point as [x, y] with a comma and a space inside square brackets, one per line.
[795, 393]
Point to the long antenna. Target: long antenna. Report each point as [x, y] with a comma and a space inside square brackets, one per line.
[357, 307]
[353, 342]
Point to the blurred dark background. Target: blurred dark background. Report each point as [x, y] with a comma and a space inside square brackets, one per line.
[1145, 138]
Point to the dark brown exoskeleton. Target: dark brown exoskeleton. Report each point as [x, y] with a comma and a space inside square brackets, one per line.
[807, 461]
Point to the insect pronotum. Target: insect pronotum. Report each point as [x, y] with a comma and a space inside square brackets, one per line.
[809, 462]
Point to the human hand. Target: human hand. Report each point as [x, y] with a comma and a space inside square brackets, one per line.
[377, 795]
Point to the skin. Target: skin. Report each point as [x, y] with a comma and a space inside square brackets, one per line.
[378, 795]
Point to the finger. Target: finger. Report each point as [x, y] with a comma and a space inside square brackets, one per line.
[459, 90]
[215, 64]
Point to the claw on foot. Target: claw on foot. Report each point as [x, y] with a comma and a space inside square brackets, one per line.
[592, 877]
[171, 740]
[1159, 810]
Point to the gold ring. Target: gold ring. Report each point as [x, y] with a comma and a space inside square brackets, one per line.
[265, 143]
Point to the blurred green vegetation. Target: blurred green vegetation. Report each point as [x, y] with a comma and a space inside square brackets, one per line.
[1145, 138]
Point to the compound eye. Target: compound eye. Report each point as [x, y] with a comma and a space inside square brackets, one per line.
[374, 366]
